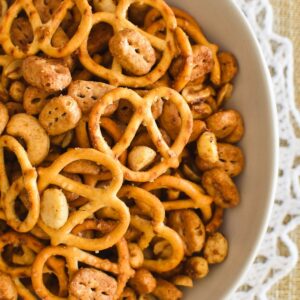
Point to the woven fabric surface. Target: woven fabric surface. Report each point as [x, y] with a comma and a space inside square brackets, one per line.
[287, 23]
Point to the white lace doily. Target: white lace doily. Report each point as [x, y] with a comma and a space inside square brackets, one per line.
[272, 264]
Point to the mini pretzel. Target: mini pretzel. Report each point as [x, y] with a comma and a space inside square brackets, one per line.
[3, 117]
[155, 227]
[216, 221]
[27, 181]
[43, 33]
[30, 130]
[73, 257]
[197, 198]
[143, 115]
[16, 91]
[23, 270]
[97, 199]
[119, 22]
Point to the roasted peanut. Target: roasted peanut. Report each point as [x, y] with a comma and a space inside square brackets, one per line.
[3, 117]
[190, 228]
[220, 186]
[54, 208]
[196, 267]
[229, 66]
[16, 91]
[166, 291]
[140, 157]
[143, 281]
[216, 248]
[207, 147]
[231, 160]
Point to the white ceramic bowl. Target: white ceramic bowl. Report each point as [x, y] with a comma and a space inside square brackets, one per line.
[224, 24]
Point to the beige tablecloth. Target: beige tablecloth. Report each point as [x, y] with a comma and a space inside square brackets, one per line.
[287, 23]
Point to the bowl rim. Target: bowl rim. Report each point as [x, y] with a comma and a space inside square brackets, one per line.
[274, 155]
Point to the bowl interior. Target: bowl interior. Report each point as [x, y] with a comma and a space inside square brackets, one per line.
[225, 25]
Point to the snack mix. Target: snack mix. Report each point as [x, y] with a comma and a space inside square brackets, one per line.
[117, 156]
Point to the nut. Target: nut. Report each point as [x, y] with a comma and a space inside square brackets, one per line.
[54, 208]
[190, 228]
[229, 66]
[166, 291]
[136, 255]
[140, 157]
[3, 117]
[16, 91]
[29, 129]
[207, 147]
[143, 282]
[216, 248]
[196, 267]
[220, 186]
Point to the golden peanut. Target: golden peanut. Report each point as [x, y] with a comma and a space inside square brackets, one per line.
[140, 157]
[196, 267]
[54, 208]
[207, 147]
[216, 248]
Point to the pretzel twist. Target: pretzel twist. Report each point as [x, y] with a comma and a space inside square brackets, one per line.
[73, 257]
[197, 199]
[10, 192]
[153, 228]
[143, 115]
[43, 33]
[97, 198]
[118, 21]
[23, 270]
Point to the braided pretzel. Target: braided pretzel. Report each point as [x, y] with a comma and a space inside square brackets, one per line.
[154, 228]
[97, 198]
[27, 181]
[24, 270]
[119, 22]
[197, 198]
[143, 115]
[74, 256]
[43, 33]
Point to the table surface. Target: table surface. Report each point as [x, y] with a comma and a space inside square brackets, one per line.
[287, 23]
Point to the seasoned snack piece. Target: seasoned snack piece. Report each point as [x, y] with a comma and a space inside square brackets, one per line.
[133, 51]
[143, 282]
[86, 93]
[14, 108]
[140, 157]
[182, 280]
[229, 66]
[8, 290]
[54, 208]
[166, 291]
[207, 147]
[196, 267]
[227, 125]
[47, 74]
[35, 99]
[60, 115]
[3, 117]
[230, 159]
[104, 5]
[46, 8]
[216, 248]
[92, 284]
[16, 91]
[202, 63]
[190, 228]
[29, 129]
[136, 255]
[220, 186]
